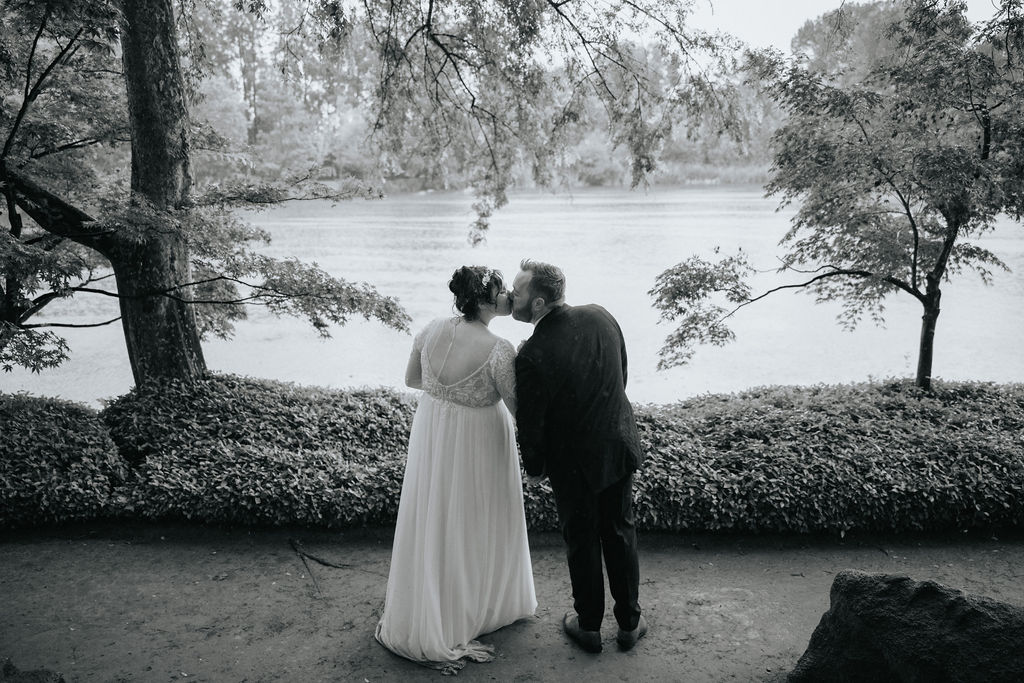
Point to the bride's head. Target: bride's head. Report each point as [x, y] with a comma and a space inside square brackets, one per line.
[479, 289]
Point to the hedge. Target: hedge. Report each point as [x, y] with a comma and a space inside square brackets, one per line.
[57, 462]
[229, 411]
[267, 485]
[873, 456]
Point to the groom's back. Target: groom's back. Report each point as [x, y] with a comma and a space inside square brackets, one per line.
[589, 414]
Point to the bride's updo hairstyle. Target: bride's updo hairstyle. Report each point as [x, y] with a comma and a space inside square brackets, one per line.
[473, 286]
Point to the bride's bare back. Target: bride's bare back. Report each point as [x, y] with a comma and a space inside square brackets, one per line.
[460, 350]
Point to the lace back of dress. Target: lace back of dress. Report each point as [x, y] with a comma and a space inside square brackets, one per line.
[435, 338]
[475, 389]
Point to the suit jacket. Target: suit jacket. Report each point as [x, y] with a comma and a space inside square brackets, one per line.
[573, 414]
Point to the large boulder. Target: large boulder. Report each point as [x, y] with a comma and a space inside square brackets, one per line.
[882, 628]
[11, 674]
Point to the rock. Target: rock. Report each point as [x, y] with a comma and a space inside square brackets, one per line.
[882, 628]
[11, 674]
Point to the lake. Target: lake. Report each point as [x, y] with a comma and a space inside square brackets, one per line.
[611, 243]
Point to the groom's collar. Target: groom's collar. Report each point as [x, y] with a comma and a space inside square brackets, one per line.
[551, 310]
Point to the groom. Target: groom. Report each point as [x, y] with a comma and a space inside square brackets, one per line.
[576, 427]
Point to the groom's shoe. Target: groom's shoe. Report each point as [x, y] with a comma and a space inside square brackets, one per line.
[588, 640]
[627, 639]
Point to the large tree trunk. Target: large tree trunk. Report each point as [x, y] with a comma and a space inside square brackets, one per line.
[160, 332]
[927, 347]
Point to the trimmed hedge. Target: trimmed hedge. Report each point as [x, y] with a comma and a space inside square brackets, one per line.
[241, 450]
[225, 411]
[872, 457]
[246, 484]
[57, 462]
[875, 457]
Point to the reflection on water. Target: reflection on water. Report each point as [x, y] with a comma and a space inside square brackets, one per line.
[611, 245]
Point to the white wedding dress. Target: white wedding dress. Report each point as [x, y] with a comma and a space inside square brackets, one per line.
[460, 565]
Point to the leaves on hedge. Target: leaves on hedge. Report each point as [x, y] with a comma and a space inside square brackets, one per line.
[874, 457]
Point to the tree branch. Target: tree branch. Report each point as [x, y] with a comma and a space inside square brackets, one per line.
[586, 42]
[52, 213]
[37, 325]
[33, 93]
[836, 272]
[76, 144]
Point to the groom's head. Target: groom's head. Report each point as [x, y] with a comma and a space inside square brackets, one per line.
[537, 289]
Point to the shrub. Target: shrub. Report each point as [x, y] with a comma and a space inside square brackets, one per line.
[172, 417]
[877, 457]
[57, 462]
[267, 485]
[241, 450]
[871, 457]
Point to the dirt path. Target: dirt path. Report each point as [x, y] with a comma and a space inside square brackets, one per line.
[181, 603]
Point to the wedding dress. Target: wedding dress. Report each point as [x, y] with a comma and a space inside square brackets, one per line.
[460, 564]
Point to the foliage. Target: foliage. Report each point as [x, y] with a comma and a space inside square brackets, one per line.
[177, 417]
[879, 457]
[230, 274]
[461, 93]
[847, 43]
[893, 173]
[62, 115]
[61, 111]
[869, 457]
[267, 485]
[234, 449]
[497, 85]
[684, 291]
[57, 463]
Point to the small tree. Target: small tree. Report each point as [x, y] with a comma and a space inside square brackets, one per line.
[893, 175]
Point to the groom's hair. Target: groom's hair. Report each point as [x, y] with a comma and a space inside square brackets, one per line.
[547, 281]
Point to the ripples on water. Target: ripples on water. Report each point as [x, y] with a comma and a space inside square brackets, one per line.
[611, 245]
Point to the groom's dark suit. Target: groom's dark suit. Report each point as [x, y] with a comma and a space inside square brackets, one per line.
[576, 425]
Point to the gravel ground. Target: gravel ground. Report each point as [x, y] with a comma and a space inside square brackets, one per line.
[133, 602]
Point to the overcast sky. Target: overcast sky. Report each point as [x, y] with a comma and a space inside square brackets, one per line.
[774, 22]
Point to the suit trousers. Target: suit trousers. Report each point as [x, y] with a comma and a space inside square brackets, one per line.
[595, 525]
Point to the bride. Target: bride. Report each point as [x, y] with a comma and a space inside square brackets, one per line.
[460, 565]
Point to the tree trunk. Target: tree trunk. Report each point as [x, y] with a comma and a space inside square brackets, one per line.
[248, 38]
[11, 297]
[927, 347]
[160, 332]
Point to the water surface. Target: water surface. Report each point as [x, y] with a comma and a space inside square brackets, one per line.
[611, 245]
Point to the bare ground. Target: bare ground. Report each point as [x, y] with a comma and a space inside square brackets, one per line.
[105, 602]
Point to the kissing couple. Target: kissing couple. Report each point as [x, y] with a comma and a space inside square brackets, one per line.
[460, 564]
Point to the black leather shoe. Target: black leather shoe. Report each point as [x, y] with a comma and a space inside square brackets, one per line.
[627, 639]
[588, 640]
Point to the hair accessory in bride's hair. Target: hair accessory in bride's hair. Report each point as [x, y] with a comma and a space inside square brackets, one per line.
[486, 280]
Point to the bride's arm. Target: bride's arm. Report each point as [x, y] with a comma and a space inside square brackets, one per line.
[504, 370]
[414, 369]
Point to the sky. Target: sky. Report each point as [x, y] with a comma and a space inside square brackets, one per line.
[764, 23]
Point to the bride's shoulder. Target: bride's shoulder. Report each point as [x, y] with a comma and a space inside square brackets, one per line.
[430, 329]
[440, 322]
[502, 346]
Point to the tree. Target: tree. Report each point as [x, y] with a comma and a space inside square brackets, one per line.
[894, 175]
[491, 85]
[178, 255]
[504, 84]
[849, 41]
[62, 112]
